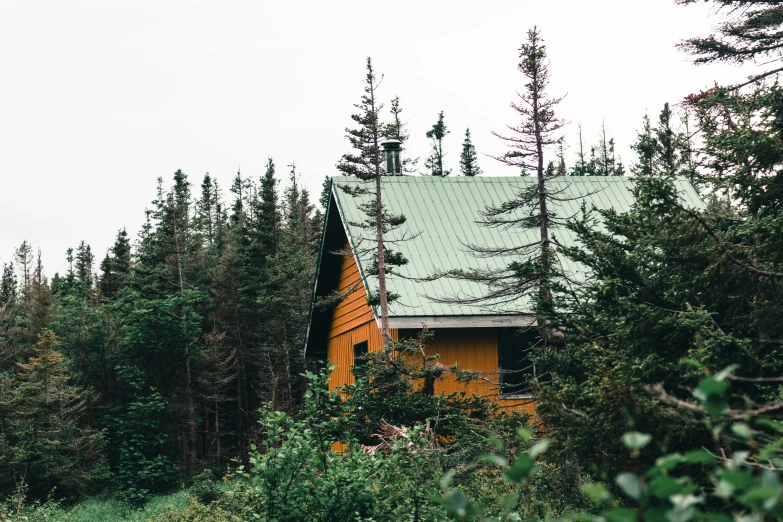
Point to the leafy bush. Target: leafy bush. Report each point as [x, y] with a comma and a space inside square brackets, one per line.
[296, 473]
[742, 476]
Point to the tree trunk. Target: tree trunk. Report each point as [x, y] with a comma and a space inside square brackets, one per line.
[191, 408]
[379, 232]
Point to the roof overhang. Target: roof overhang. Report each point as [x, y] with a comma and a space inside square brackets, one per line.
[463, 321]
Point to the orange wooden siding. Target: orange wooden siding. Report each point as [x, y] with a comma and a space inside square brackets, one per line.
[474, 349]
[353, 321]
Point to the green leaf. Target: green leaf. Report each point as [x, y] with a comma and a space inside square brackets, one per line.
[760, 496]
[596, 492]
[520, 470]
[497, 460]
[713, 386]
[621, 515]
[728, 370]
[636, 440]
[664, 487]
[691, 362]
[769, 423]
[699, 457]
[509, 501]
[770, 449]
[524, 433]
[539, 448]
[738, 479]
[664, 464]
[447, 479]
[630, 485]
[741, 429]
[715, 405]
[724, 490]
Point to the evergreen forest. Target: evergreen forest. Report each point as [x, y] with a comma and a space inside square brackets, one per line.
[166, 379]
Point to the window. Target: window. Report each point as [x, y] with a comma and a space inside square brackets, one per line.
[359, 350]
[516, 367]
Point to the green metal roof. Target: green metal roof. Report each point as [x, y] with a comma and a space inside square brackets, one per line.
[443, 216]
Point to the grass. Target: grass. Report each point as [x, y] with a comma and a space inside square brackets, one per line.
[117, 511]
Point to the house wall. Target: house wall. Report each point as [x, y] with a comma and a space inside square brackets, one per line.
[473, 349]
[352, 322]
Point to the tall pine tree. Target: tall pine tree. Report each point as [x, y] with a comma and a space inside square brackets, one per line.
[434, 163]
[468, 160]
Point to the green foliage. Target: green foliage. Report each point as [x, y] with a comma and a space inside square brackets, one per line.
[672, 285]
[295, 474]
[468, 159]
[434, 163]
[696, 485]
[46, 441]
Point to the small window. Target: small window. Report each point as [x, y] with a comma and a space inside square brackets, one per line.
[514, 362]
[359, 350]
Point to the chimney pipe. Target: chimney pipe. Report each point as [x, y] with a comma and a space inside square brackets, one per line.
[392, 151]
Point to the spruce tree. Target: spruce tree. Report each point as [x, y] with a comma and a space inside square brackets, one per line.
[751, 32]
[646, 148]
[528, 142]
[7, 285]
[662, 150]
[267, 230]
[365, 163]
[47, 438]
[468, 160]
[206, 209]
[396, 129]
[84, 264]
[434, 163]
[561, 169]
[116, 266]
[326, 190]
[584, 166]
[666, 138]
[24, 260]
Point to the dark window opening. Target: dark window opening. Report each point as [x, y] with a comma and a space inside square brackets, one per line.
[514, 361]
[359, 351]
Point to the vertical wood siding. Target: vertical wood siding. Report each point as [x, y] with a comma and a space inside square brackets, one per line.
[352, 322]
[473, 349]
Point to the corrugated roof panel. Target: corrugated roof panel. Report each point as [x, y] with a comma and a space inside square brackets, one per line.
[443, 221]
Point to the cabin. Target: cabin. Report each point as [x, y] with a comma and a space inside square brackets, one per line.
[443, 220]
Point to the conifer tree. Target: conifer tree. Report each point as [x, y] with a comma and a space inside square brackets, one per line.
[603, 158]
[646, 147]
[7, 285]
[47, 440]
[396, 129]
[24, 260]
[667, 142]
[750, 32]
[561, 169]
[206, 210]
[529, 141]
[268, 211]
[468, 160]
[326, 191]
[84, 263]
[70, 275]
[434, 163]
[116, 266]
[365, 163]
[662, 150]
[584, 166]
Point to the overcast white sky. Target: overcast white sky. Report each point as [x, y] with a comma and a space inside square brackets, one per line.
[98, 99]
